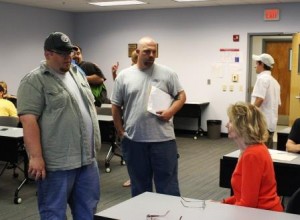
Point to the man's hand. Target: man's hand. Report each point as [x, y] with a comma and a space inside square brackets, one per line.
[164, 115]
[37, 168]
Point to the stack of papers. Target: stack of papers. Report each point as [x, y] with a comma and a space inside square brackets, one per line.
[158, 100]
[281, 155]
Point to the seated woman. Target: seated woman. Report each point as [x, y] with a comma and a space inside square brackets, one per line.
[7, 96]
[7, 108]
[253, 180]
[293, 142]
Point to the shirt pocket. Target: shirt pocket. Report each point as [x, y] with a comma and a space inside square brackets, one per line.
[56, 99]
[88, 92]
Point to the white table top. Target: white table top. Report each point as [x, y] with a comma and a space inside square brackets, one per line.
[277, 156]
[285, 130]
[197, 103]
[152, 203]
[105, 106]
[12, 132]
[105, 118]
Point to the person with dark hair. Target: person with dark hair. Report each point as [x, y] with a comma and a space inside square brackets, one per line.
[7, 108]
[148, 139]
[94, 76]
[253, 179]
[293, 142]
[8, 96]
[61, 133]
[266, 93]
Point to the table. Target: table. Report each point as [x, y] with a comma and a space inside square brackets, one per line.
[11, 148]
[193, 110]
[108, 134]
[282, 136]
[10, 137]
[138, 207]
[105, 109]
[287, 173]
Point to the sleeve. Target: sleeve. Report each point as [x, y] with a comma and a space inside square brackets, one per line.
[98, 71]
[295, 131]
[230, 200]
[252, 172]
[174, 85]
[30, 98]
[260, 88]
[117, 92]
[91, 69]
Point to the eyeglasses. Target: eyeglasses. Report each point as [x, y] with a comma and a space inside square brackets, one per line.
[64, 54]
[155, 216]
[193, 203]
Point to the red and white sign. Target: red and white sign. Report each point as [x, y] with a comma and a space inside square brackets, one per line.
[271, 14]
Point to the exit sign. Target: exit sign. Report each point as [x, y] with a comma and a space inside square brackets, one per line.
[271, 15]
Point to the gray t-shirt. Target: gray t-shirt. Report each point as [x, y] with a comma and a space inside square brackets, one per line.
[68, 80]
[131, 91]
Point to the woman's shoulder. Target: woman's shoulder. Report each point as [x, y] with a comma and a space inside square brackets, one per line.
[256, 149]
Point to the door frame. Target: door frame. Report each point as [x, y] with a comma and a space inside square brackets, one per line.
[250, 52]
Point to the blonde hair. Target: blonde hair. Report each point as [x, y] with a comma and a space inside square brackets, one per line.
[134, 57]
[248, 122]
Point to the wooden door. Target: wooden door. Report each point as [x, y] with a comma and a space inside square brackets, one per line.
[295, 81]
[280, 51]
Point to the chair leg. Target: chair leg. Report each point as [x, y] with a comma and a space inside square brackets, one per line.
[5, 166]
[113, 152]
[108, 158]
[17, 199]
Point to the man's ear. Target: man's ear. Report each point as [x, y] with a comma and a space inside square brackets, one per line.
[47, 53]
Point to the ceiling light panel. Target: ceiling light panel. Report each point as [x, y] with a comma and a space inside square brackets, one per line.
[117, 3]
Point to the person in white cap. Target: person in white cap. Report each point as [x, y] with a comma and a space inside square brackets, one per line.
[266, 93]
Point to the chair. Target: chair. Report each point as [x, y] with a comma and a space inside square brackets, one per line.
[105, 109]
[13, 100]
[17, 155]
[108, 135]
[293, 205]
[9, 121]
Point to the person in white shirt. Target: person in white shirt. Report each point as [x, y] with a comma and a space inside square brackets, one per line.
[266, 93]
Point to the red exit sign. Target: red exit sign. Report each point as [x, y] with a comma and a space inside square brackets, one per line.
[271, 15]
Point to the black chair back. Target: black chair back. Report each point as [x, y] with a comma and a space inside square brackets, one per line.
[293, 205]
[9, 121]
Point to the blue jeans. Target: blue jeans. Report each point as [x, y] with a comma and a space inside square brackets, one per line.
[155, 161]
[80, 188]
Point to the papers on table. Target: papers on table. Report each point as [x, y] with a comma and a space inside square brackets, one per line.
[158, 100]
[282, 155]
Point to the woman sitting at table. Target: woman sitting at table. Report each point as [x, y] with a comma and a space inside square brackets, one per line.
[7, 96]
[253, 180]
[7, 108]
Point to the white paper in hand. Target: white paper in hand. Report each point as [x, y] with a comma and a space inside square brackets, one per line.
[158, 100]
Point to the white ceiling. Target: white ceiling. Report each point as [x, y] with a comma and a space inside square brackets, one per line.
[83, 6]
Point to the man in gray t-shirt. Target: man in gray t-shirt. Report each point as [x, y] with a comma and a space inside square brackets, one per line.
[148, 140]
